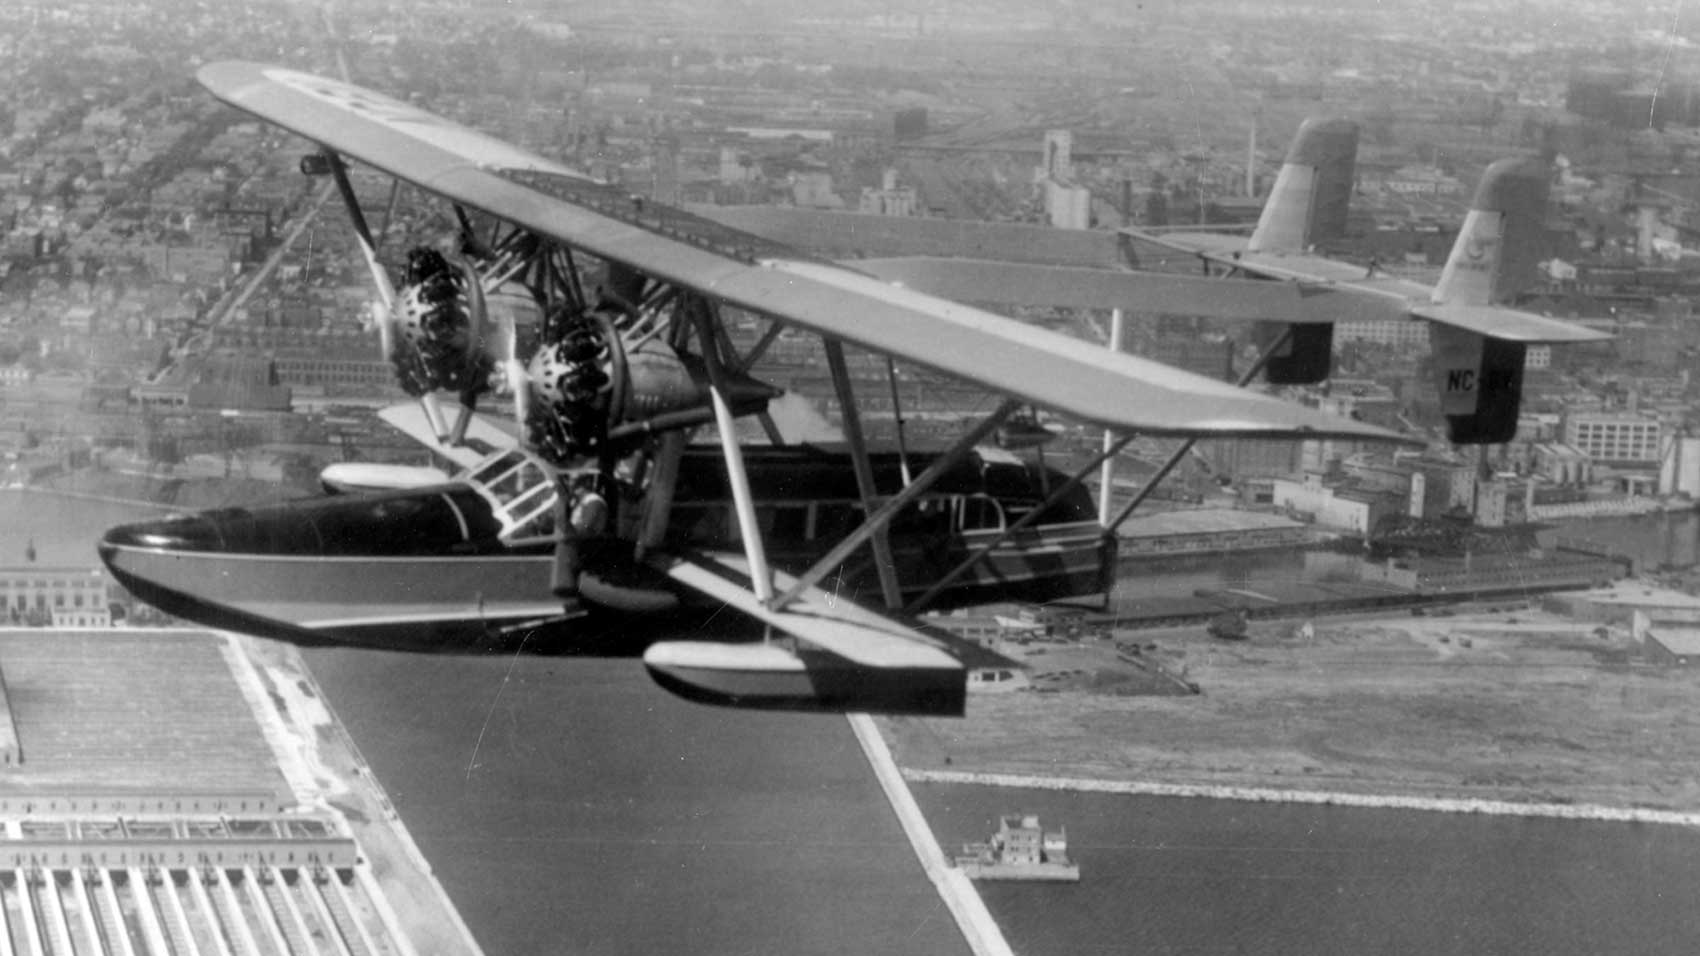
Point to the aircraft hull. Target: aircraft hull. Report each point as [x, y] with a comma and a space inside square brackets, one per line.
[459, 562]
[409, 601]
[358, 599]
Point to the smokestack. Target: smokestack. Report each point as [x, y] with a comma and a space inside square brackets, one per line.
[1251, 157]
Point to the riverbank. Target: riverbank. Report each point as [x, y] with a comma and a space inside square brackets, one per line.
[1498, 808]
[1508, 708]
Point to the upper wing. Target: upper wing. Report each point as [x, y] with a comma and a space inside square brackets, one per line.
[1034, 365]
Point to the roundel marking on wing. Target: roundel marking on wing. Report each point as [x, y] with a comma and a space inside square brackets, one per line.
[409, 120]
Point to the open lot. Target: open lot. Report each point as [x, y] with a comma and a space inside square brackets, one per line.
[1507, 704]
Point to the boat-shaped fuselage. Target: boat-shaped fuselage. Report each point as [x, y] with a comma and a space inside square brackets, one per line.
[455, 561]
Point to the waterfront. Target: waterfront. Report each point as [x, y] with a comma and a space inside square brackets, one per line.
[63, 529]
[570, 805]
[1189, 875]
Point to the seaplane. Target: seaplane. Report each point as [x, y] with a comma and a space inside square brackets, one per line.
[592, 500]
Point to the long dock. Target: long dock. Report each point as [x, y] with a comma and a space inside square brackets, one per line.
[954, 887]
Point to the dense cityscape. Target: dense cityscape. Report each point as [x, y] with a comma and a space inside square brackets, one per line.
[1410, 683]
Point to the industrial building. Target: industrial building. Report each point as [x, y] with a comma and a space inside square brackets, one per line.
[1613, 436]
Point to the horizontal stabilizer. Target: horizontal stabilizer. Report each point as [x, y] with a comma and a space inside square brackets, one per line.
[1512, 325]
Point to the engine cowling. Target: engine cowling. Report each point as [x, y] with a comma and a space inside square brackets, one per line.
[590, 387]
[437, 338]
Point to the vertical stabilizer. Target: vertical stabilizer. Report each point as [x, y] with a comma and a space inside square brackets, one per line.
[1496, 252]
[1480, 377]
[1313, 191]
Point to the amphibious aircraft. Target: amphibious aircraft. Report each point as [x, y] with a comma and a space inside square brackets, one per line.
[594, 502]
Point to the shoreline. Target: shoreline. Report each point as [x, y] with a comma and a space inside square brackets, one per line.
[90, 496]
[1565, 811]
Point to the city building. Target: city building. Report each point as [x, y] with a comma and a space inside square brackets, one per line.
[49, 595]
[890, 199]
[1411, 334]
[1342, 508]
[1613, 436]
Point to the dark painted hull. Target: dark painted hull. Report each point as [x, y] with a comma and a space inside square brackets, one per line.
[422, 600]
[474, 558]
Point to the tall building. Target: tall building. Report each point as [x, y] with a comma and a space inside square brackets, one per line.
[1068, 205]
[1613, 436]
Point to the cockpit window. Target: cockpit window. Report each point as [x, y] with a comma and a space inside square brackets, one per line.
[532, 514]
[522, 494]
[388, 524]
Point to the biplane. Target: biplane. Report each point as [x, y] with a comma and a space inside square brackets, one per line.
[592, 500]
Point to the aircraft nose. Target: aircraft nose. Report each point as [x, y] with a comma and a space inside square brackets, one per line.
[180, 533]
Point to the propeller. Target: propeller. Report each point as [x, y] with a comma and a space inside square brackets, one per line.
[498, 341]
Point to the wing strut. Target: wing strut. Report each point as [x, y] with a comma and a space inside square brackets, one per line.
[897, 418]
[881, 518]
[761, 579]
[380, 279]
[1107, 479]
[1186, 446]
[760, 348]
[889, 588]
[1112, 449]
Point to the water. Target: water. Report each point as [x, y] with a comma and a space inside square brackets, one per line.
[1179, 875]
[63, 529]
[571, 806]
[1654, 541]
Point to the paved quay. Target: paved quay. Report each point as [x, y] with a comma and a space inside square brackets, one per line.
[176, 795]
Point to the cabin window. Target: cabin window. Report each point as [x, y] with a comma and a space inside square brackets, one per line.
[535, 520]
[981, 513]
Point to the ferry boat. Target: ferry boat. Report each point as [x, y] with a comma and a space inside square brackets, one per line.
[473, 555]
[1021, 849]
